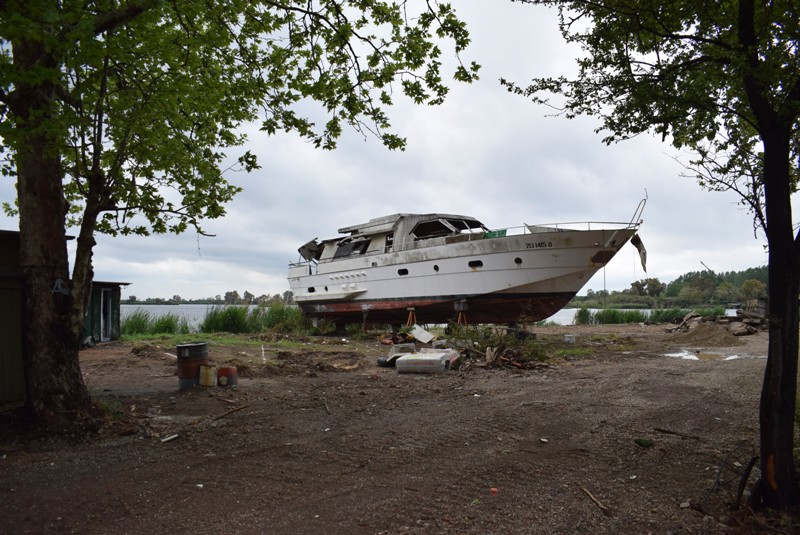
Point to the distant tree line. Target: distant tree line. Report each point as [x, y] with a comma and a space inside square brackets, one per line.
[690, 289]
[230, 298]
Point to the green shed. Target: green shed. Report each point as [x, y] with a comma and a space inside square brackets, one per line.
[102, 319]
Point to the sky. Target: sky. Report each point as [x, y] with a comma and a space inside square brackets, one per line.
[484, 153]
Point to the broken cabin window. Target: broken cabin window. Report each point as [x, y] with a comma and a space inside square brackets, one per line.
[351, 248]
[436, 228]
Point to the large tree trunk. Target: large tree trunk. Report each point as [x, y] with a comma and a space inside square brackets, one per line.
[779, 392]
[56, 394]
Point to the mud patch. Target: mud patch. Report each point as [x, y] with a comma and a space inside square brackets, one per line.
[285, 363]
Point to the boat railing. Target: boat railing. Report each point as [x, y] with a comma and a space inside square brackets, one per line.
[560, 227]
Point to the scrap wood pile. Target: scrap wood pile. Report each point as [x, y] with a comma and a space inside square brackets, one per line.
[500, 357]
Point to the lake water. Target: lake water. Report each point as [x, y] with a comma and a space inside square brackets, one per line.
[194, 314]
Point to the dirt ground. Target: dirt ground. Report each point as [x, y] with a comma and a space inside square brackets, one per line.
[609, 436]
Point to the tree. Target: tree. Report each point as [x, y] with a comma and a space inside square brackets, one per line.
[721, 79]
[232, 298]
[655, 287]
[727, 293]
[117, 118]
[638, 287]
[753, 289]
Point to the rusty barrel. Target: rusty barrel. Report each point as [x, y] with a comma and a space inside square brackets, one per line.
[190, 358]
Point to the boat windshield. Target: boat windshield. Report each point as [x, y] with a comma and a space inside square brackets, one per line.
[436, 228]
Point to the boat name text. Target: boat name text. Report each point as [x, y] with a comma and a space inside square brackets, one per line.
[538, 245]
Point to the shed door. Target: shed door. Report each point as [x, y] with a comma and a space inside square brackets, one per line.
[105, 314]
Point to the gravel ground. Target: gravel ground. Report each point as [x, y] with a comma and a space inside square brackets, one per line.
[609, 436]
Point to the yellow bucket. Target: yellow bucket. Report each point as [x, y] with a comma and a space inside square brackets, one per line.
[208, 375]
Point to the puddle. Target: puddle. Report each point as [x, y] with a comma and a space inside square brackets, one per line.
[700, 355]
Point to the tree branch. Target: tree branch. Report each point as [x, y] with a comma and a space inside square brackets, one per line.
[119, 17]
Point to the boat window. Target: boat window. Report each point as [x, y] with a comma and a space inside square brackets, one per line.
[351, 248]
[436, 269]
[432, 229]
[475, 264]
[311, 289]
[518, 261]
[402, 271]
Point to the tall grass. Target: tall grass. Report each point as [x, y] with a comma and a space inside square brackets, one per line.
[613, 315]
[229, 319]
[138, 322]
[667, 315]
[142, 322]
[584, 316]
[283, 318]
[238, 319]
[711, 311]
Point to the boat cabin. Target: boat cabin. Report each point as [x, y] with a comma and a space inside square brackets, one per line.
[397, 232]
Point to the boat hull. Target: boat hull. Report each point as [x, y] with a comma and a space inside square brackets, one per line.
[500, 308]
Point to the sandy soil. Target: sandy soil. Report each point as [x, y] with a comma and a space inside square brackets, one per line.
[610, 436]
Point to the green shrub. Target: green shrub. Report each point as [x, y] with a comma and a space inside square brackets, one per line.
[583, 317]
[138, 322]
[667, 315]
